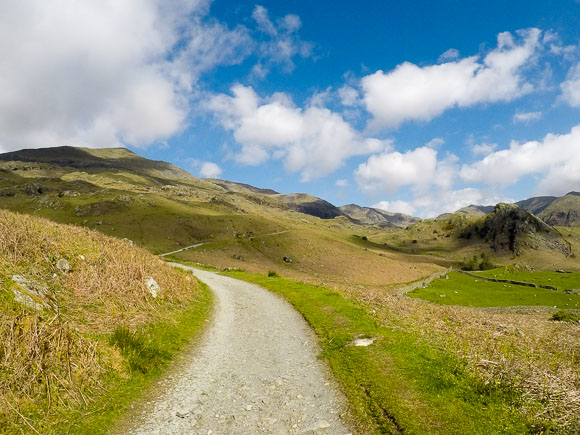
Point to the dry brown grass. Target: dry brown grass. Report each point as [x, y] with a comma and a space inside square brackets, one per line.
[55, 360]
[517, 347]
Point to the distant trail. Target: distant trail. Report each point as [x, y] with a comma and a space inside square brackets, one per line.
[203, 243]
[182, 249]
[256, 371]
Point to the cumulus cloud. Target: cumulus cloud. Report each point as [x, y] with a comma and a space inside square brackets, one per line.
[281, 42]
[450, 54]
[210, 170]
[526, 117]
[483, 149]
[312, 140]
[349, 96]
[571, 87]
[442, 201]
[418, 168]
[341, 183]
[555, 159]
[397, 206]
[103, 73]
[436, 142]
[450, 200]
[411, 92]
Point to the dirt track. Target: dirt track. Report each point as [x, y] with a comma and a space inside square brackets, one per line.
[256, 371]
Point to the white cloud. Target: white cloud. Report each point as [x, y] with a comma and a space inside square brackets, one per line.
[349, 96]
[483, 148]
[449, 200]
[571, 87]
[435, 143]
[526, 117]
[341, 183]
[313, 141]
[282, 43]
[419, 168]
[410, 92]
[450, 54]
[397, 206]
[555, 159]
[441, 201]
[210, 170]
[96, 73]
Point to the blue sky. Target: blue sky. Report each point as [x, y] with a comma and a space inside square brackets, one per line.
[420, 107]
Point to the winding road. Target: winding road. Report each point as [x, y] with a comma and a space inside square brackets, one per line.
[256, 371]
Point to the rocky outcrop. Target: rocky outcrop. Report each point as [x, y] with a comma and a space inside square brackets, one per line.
[33, 294]
[511, 228]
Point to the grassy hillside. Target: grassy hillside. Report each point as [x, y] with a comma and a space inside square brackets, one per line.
[564, 211]
[82, 333]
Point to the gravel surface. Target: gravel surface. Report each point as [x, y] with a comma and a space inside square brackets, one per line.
[255, 371]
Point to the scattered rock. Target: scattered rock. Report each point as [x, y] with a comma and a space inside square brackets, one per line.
[238, 257]
[129, 241]
[322, 424]
[33, 294]
[124, 198]
[152, 286]
[33, 189]
[68, 193]
[63, 265]
[182, 413]
[287, 260]
[362, 342]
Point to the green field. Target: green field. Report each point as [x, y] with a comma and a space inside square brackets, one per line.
[561, 281]
[461, 289]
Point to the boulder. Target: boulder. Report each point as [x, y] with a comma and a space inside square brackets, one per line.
[63, 265]
[33, 294]
[152, 286]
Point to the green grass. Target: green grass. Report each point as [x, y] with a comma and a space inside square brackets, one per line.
[402, 382]
[148, 352]
[461, 289]
[566, 316]
[561, 281]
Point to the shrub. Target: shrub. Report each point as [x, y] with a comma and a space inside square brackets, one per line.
[364, 238]
[565, 316]
[272, 274]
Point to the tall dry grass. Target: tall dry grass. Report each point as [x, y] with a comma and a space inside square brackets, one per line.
[55, 360]
[519, 348]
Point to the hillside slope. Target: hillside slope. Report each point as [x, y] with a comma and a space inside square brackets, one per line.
[563, 211]
[76, 310]
[375, 216]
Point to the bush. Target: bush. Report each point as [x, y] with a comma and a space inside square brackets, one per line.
[483, 262]
[565, 316]
[364, 238]
[273, 274]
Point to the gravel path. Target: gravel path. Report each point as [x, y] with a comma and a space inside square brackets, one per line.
[256, 371]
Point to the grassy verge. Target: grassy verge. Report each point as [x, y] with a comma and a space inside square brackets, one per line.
[81, 331]
[401, 383]
[148, 353]
[466, 290]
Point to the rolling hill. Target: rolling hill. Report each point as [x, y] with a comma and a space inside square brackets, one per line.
[374, 216]
[163, 208]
